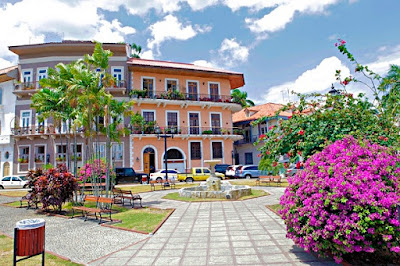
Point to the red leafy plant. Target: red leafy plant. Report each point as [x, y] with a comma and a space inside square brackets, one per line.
[53, 187]
[344, 201]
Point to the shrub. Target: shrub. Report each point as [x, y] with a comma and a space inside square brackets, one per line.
[344, 201]
[52, 187]
[97, 169]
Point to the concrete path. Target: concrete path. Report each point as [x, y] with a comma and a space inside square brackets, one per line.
[206, 233]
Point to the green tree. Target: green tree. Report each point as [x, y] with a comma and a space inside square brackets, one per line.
[136, 50]
[241, 98]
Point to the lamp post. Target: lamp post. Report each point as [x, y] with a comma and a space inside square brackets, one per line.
[165, 136]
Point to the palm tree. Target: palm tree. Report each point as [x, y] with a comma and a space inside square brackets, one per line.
[136, 50]
[241, 98]
[391, 87]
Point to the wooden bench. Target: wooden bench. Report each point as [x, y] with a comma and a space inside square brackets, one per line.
[103, 205]
[29, 202]
[163, 184]
[268, 180]
[120, 196]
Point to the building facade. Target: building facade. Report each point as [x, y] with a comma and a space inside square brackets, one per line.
[245, 151]
[8, 77]
[189, 101]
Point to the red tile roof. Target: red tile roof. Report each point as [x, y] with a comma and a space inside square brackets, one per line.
[259, 111]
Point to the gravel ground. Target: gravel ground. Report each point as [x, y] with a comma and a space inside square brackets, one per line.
[72, 238]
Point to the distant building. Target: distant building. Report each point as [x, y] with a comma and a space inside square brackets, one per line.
[8, 77]
[244, 150]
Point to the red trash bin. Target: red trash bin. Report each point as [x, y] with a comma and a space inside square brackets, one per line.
[144, 179]
[29, 238]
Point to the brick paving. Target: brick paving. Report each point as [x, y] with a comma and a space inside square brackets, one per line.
[216, 233]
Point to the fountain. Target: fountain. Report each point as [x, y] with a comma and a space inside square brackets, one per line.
[215, 188]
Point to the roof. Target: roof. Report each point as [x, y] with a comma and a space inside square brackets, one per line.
[65, 47]
[8, 73]
[259, 111]
[236, 78]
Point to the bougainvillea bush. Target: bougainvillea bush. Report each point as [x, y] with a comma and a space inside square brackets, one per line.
[54, 187]
[95, 169]
[344, 201]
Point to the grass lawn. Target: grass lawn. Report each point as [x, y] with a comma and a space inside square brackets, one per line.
[143, 220]
[252, 182]
[6, 255]
[147, 188]
[275, 207]
[254, 194]
[17, 193]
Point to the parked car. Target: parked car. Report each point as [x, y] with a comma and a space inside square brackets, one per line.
[160, 175]
[12, 182]
[221, 168]
[198, 174]
[247, 171]
[230, 171]
[128, 175]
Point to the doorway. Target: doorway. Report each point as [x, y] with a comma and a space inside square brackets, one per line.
[6, 169]
[149, 162]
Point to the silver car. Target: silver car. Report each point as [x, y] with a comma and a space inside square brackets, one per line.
[247, 171]
[12, 182]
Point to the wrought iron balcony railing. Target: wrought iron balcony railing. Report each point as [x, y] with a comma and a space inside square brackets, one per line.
[191, 130]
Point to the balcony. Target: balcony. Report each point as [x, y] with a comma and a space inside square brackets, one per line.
[39, 131]
[186, 132]
[29, 88]
[246, 140]
[184, 99]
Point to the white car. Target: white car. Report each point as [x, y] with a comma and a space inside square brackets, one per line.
[231, 170]
[12, 182]
[160, 175]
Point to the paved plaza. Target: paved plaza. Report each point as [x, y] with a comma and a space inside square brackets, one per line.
[198, 233]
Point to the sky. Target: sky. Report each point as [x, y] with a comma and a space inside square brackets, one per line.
[279, 45]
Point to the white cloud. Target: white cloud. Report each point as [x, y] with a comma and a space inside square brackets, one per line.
[28, 21]
[171, 28]
[382, 64]
[147, 55]
[201, 4]
[204, 63]
[232, 53]
[318, 79]
[284, 12]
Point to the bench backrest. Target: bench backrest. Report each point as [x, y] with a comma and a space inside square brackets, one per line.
[105, 200]
[91, 198]
[117, 190]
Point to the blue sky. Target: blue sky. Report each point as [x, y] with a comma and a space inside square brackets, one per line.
[279, 45]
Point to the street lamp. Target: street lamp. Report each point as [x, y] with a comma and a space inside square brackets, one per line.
[165, 136]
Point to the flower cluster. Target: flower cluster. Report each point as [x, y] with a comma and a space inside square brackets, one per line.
[344, 200]
[95, 169]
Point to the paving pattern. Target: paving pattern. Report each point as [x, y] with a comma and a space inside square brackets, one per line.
[198, 233]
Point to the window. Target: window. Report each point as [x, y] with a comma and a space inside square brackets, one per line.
[8, 178]
[78, 153]
[40, 154]
[248, 159]
[172, 120]
[1, 96]
[61, 152]
[117, 151]
[198, 171]
[206, 171]
[148, 116]
[101, 75]
[171, 85]
[100, 150]
[217, 150]
[214, 91]
[148, 85]
[41, 74]
[195, 150]
[194, 123]
[216, 123]
[27, 77]
[23, 154]
[64, 127]
[192, 90]
[118, 74]
[25, 118]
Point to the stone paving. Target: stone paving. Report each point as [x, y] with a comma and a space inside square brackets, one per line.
[198, 233]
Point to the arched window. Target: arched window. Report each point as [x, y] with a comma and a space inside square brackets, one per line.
[174, 154]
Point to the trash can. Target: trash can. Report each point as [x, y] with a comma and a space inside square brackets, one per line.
[29, 238]
[144, 179]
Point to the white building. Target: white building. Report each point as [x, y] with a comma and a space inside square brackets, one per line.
[8, 76]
